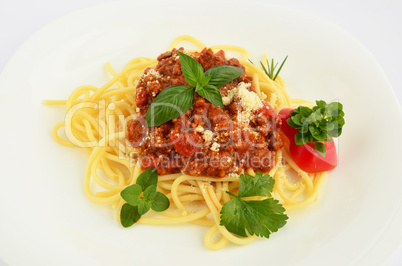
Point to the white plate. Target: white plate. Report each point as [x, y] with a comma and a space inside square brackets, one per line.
[45, 217]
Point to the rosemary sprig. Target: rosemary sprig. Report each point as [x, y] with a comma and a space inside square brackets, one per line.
[270, 69]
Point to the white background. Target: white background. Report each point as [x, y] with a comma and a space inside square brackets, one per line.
[376, 24]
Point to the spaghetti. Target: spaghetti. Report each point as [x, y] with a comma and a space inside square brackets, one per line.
[96, 119]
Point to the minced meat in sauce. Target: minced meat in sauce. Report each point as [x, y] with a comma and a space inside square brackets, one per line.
[206, 140]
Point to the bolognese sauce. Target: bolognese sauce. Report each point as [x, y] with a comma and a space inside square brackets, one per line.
[205, 140]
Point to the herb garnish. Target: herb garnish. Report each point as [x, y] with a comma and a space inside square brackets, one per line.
[318, 124]
[270, 69]
[175, 100]
[249, 217]
[141, 197]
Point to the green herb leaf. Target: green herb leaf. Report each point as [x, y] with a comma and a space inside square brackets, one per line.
[175, 100]
[131, 194]
[204, 81]
[222, 75]
[212, 94]
[292, 124]
[143, 206]
[320, 148]
[192, 70]
[253, 217]
[160, 202]
[270, 69]
[136, 205]
[147, 178]
[261, 217]
[280, 68]
[129, 215]
[297, 119]
[150, 193]
[260, 185]
[169, 104]
[320, 123]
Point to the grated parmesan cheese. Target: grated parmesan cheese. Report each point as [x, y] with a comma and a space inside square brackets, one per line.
[152, 73]
[215, 146]
[207, 136]
[199, 129]
[248, 100]
[233, 175]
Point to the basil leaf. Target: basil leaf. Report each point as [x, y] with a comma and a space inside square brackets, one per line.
[192, 70]
[320, 148]
[222, 75]
[131, 194]
[160, 202]
[199, 87]
[169, 104]
[147, 178]
[212, 94]
[129, 215]
[143, 207]
[204, 81]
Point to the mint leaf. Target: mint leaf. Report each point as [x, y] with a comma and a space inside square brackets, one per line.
[192, 70]
[222, 75]
[169, 104]
[131, 194]
[129, 215]
[160, 202]
[212, 94]
[147, 178]
[253, 217]
[260, 185]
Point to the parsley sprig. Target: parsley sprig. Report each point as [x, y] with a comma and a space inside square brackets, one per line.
[141, 197]
[253, 217]
[175, 100]
[318, 124]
